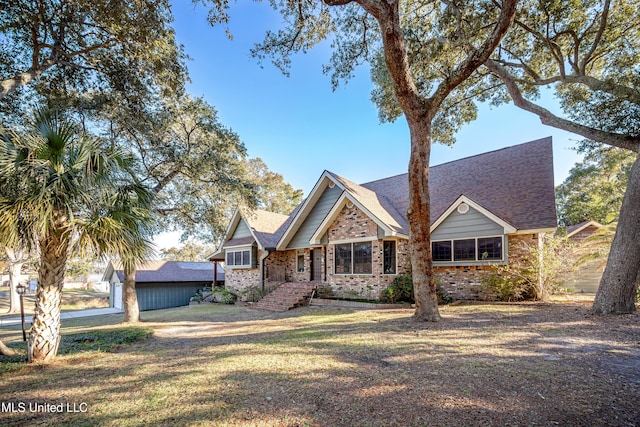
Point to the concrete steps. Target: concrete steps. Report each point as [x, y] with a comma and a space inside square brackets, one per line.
[286, 297]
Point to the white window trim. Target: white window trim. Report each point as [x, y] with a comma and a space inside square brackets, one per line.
[240, 249]
[351, 242]
[470, 261]
[355, 240]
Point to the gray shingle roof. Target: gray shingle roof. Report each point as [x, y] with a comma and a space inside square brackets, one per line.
[268, 227]
[172, 271]
[514, 183]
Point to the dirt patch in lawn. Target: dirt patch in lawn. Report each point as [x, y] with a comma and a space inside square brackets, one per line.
[484, 364]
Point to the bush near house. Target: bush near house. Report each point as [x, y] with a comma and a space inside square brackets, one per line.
[400, 290]
[538, 273]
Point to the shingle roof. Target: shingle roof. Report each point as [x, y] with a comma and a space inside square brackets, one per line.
[377, 204]
[573, 229]
[514, 183]
[171, 271]
[268, 227]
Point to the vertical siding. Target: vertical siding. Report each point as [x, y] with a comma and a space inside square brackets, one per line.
[470, 224]
[155, 296]
[315, 217]
[242, 230]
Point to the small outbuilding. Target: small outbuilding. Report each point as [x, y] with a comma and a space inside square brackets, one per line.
[586, 279]
[162, 284]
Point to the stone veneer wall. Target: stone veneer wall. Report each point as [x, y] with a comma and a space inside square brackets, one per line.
[353, 224]
[467, 283]
[238, 280]
[283, 260]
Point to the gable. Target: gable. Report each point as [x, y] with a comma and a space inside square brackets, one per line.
[466, 225]
[316, 215]
[242, 230]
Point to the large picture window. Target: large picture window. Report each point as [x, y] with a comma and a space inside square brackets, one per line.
[389, 257]
[353, 258]
[464, 250]
[468, 250]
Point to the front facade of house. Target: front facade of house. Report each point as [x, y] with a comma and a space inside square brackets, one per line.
[354, 239]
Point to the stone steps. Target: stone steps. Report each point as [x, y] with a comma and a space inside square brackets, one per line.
[286, 297]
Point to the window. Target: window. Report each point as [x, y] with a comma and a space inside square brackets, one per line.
[343, 259]
[468, 250]
[239, 258]
[464, 250]
[389, 257]
[300, 266]
[353, 258]
[441, 251]
[362, 258]
[490, 248]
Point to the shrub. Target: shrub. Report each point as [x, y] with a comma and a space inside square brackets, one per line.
[509, 288]
[255, 294]
[400, 290]
[324, 291]
[223, 295]
[538, 272]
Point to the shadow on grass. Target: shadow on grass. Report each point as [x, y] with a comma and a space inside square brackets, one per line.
[482, 365]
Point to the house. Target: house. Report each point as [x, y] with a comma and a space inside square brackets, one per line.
[577, 233]
[355, 237]
[162, 284]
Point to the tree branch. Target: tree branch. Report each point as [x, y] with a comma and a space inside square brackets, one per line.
[9, 85]
[478, 56]
[548, 118]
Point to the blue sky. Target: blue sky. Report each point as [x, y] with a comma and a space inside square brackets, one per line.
[300, 127]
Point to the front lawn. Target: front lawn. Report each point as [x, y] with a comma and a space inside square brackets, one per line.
[484, 364]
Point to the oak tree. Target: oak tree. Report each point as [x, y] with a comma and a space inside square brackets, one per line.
[357, 30]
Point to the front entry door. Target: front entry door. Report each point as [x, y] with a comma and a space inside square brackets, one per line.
[316, 265]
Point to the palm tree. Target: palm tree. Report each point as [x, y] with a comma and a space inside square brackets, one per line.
[59, 190]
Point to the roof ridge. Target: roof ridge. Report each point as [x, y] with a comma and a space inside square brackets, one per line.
[547, 138]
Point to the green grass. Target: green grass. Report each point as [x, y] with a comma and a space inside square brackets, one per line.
[102, 340]
[72, 299]
[219, 365]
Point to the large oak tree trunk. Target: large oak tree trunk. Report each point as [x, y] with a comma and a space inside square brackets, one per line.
[418, 113]
[44, 337]
[617, 291]
[419, 216]
[131, 308]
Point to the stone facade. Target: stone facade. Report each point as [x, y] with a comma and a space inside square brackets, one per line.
[237, 280]
[352, 225]
[456, 282]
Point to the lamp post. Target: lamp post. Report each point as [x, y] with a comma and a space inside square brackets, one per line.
[21, 289]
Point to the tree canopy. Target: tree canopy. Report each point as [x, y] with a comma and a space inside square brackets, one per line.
[274, 193]
[65, 50]
[595, 187]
